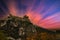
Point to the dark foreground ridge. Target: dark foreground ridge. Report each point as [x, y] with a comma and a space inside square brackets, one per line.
[20, 28]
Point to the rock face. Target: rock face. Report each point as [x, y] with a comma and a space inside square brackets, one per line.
[21, 28]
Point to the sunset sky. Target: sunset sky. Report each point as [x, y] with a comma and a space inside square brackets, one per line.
[44, 13]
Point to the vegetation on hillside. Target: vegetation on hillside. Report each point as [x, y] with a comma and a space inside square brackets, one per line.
[22, 28]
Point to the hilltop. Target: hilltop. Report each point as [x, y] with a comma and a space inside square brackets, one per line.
[21, 27]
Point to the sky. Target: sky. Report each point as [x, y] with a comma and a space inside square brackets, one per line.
[44, 13]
